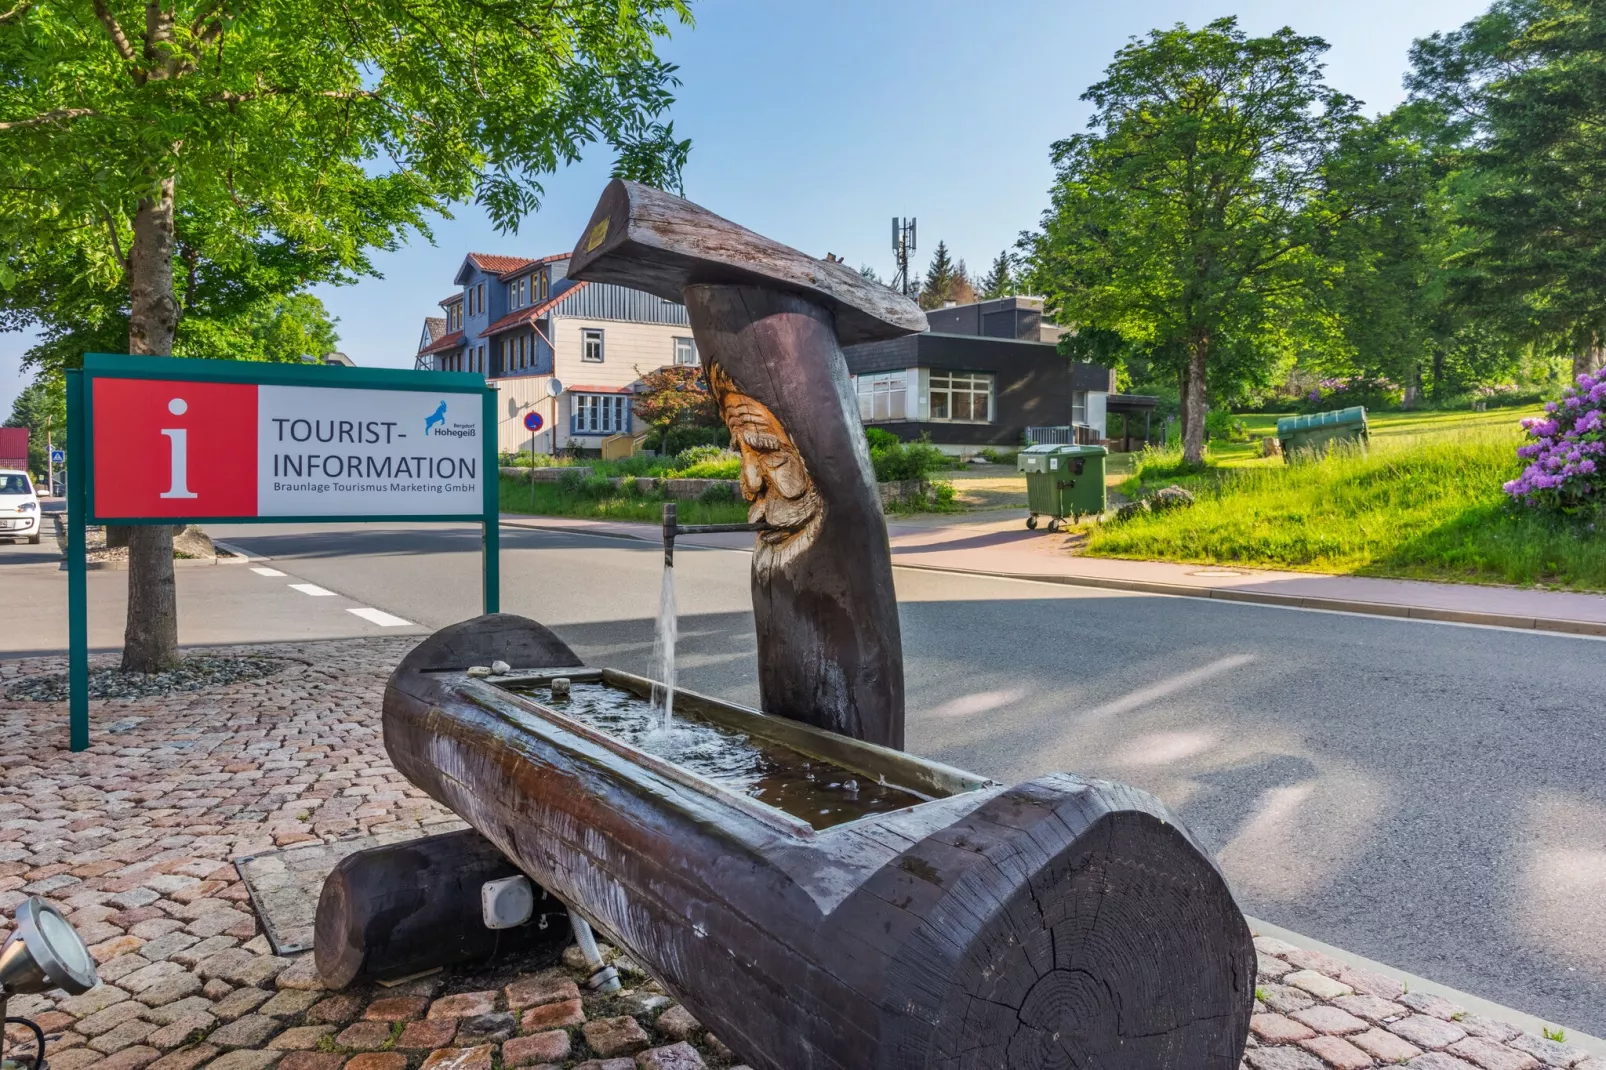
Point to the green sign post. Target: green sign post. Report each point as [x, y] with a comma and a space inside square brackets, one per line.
[158, 440]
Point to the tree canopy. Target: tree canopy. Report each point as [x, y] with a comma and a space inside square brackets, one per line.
[170, 157]
[1186, 217]
[1523, 89]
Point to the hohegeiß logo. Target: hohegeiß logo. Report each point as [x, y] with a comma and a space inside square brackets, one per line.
[437, 417]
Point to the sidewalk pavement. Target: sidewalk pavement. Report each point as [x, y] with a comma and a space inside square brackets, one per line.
[997, 543]
[134, 840]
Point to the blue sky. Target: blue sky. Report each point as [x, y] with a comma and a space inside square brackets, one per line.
[815, 123]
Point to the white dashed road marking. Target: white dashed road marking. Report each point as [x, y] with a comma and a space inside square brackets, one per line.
[312, 589]
[267, 572]
[380, 617]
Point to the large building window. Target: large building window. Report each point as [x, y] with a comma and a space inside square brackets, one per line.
[961, 397]
[601, 414]
[884, 396]
[591, 345]
[1078, 407]
[685, 351]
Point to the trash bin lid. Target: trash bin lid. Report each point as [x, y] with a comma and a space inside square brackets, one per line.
[1352, 416]
[1066, 449]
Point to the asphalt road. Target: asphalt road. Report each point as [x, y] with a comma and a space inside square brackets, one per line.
[1427, 795]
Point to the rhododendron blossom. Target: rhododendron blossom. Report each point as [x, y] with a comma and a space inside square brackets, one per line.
[1562, 475]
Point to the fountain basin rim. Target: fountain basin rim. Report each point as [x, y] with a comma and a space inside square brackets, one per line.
[926, 779]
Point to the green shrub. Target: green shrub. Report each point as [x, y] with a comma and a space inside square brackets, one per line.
[880, 439]
[698, 454]
[717, 494]
[996, 456]
[902, 461]
[684, 438]
[724, 466]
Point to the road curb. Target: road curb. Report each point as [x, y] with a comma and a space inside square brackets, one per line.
[1559, 625]
[1528, 1023]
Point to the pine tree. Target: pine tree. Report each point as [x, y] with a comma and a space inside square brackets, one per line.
[938, 288]
[1000, 279]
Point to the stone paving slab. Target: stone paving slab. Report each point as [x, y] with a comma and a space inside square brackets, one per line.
[135, 840]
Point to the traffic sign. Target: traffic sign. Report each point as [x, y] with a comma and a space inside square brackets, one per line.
[58, 456]
[532, 421]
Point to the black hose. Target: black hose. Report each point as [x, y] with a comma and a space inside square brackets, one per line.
[39, 1035]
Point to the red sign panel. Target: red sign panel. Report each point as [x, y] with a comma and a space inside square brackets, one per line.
[170, 448]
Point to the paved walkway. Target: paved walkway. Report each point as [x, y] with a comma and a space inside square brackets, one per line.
[997, 543]
[134, 839]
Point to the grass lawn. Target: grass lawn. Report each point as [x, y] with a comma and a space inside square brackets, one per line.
[595, 502]
[1423, 502]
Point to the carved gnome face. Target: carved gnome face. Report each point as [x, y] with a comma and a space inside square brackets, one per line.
[774, 478]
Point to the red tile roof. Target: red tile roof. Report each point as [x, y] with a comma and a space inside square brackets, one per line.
[434, 326]
[550, 259]
[497, 264]
[444, 343]
[448, 300]
[526, 316]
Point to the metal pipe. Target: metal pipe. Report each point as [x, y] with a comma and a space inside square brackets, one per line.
[604, 978]
[672, 528]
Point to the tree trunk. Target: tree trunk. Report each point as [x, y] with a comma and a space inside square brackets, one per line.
[1182, 407]
[1193, 400]
[1587, 357]
[150, 639]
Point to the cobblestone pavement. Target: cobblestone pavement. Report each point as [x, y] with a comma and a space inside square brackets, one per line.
[133, 839]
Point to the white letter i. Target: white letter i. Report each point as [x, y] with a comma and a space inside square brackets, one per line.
[179, 454]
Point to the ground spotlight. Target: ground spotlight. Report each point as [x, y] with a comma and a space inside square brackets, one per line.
[43, 952]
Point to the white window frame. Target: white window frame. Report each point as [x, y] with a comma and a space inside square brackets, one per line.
[600, 414]
[883, 397]
[950, 385]
[689, 350]
[1078, 408]
[587, 336]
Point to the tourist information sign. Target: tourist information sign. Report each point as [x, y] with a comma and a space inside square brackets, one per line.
[174, 441]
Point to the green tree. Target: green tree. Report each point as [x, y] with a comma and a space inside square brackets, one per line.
[1185, 219]
[1526, 85]
[940, 277]
[1000, 278]
[42, 408]
[148, 143]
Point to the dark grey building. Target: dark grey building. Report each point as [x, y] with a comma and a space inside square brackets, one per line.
[981, 376]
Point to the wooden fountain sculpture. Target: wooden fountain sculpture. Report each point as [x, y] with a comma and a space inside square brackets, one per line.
[960, 924]
[770, 322]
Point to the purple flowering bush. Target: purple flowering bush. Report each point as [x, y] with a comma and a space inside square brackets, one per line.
[1566, 452]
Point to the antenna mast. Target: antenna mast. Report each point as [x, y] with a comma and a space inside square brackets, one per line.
[903, 244]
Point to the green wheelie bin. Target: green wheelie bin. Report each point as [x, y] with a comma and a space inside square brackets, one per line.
[1063, 481]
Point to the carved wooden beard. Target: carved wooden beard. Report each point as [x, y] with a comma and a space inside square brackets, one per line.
[774, 478]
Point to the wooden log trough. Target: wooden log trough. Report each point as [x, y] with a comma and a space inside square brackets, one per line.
[891, 912]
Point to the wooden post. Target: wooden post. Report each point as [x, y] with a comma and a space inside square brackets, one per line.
[770, 322]
[829, 650]
[405, 907]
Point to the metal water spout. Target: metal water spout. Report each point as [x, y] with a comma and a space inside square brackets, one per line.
[672, 528]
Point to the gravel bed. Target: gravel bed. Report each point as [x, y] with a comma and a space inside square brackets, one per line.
[194, 673]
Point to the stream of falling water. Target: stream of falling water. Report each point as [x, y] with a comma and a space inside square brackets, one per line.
[663, 653]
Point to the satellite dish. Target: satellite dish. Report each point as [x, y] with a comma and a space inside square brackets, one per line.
[553, 388]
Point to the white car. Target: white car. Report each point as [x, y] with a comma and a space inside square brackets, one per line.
[19, 506]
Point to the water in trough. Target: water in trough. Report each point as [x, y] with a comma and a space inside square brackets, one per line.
[808, 787]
